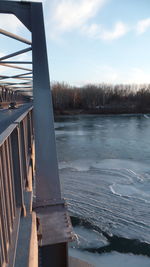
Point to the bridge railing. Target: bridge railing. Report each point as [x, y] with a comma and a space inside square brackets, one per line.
[15, 161]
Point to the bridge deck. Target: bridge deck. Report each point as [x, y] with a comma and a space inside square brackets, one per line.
[8, 116]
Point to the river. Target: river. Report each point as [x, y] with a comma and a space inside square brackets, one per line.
[104, 166]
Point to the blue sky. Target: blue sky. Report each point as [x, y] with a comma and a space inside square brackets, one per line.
[94, 41]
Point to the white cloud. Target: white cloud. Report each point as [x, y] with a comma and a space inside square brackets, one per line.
[138, 76]
[143, 25]
[92, 30]
[68, 15]
[109, 74]
[106, 74]
[71, 14]
[99, 32]
[120, 29]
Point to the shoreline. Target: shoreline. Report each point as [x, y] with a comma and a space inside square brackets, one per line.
[99, 112]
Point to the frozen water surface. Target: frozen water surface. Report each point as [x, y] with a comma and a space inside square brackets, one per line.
[104, 164]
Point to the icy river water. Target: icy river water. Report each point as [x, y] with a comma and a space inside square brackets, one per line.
[104, 165]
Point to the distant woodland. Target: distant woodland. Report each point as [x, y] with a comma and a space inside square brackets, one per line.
[101, 99]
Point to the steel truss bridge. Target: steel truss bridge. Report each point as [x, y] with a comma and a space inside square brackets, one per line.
[35, 227]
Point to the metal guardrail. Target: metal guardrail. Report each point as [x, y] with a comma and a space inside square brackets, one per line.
[15, 159]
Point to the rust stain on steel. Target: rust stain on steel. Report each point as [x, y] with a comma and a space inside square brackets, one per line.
[54, 225]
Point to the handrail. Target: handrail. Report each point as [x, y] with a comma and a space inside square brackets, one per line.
[15, 158]
[6, 133]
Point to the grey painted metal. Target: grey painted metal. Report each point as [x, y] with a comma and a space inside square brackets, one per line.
[48, 185]
[55, 223]
[31, 15]
[14, 36]
[28, 78]
[7, 119]
[15, 144]
[19, 83]
[19, 76]
[51, 213]
[23, 74]
[21, 10]
[15, 150]
[21, 87]
[26, 91]
[50, 208]
[16, 53]
[23, 244]
[16, 62]
[15, 67]
[13, 245]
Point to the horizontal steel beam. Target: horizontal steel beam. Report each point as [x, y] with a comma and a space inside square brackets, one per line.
[16, 53]
[14, 36]
[18, 76]
[22, 87]
[16, 62]
[23, 74]
[22, 91]
[15, 67]
[11, 83]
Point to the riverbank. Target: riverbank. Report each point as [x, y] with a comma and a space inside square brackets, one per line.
[107, 111]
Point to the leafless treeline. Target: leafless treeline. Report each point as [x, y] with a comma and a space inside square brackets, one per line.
[101, 97]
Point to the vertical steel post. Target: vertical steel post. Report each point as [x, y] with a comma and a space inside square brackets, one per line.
[46, 160]
[17, 168]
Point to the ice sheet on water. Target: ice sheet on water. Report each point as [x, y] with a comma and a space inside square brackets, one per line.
[113, 259]
[136, 190]
[132, 182]
[87, 238]
[89, 195]
[110, 164]
[77, 165]
[121, 164]
[104, 178]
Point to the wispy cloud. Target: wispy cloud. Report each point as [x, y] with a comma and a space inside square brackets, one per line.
[10, 23]
[138, 75]
[111, 74]
[71, 14]
[119, 30]
[143, 25]
[99, 32]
